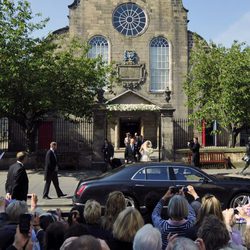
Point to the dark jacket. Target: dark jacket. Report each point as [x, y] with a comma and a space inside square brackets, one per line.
[50, 164]
[195, 148]
[7, 235]
[17, 183]
[115, 244]
[3, 219]
[98, 232]
[108, 151]
[191, 232]
[130, 155]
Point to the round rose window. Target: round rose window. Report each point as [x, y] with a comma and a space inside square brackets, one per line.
[129, 19]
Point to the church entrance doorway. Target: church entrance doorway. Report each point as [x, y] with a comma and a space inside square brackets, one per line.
[131, 125]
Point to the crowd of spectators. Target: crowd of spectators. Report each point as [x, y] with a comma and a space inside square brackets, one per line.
[187, 224]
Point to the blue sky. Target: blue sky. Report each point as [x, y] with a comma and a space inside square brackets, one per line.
[221, 21]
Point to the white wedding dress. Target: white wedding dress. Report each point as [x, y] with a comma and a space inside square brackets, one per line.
[146, 155]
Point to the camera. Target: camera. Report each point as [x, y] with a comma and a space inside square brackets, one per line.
[176, 189]
[66, 214]
[24, 223]
[236, 211]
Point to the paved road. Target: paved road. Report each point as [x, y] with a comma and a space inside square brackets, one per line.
[68, 181]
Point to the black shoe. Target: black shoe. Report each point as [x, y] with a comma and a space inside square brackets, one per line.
[62, 195]
[47, 197]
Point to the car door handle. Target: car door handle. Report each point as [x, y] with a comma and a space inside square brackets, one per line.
[139, 185]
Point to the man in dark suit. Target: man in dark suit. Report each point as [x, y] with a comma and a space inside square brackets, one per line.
[131, 152]
[195, 148]
[246, 158]
[51, 170]
[108, 153]
[17, 183]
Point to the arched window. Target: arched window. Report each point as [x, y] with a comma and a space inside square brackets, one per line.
[159, 64]
[99, 46]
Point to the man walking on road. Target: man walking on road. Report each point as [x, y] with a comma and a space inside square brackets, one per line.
[17, 183]
[51, 170]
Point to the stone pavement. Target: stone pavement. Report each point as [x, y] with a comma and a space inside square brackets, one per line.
[68, 181]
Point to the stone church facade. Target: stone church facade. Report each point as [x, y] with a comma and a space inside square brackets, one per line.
[149, 42]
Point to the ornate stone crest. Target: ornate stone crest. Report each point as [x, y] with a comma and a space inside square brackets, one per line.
[130, 57]
[131, 74]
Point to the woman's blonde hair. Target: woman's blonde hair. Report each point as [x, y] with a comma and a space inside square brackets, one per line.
[92, 212]
[178, 207]
[128, 222]
[247, 237]
[115, 204]
[209, 205]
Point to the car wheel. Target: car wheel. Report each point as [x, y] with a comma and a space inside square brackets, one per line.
[239, 200]
[130, 202]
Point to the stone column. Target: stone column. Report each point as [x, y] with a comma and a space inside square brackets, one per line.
[117, 140]
[99, 133]
[167, 133]
[142, 127]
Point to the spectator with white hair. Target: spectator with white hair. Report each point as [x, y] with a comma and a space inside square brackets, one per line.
[181, 215]
[182, 243]
[8, 231]
[147, 238]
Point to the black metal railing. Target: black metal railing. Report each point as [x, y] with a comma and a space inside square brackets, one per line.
[70, 136]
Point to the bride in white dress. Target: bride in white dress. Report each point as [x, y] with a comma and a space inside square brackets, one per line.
[146, 150]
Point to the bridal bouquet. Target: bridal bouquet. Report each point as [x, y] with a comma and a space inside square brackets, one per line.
[150, 151]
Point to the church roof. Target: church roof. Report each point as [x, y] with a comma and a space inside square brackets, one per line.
[129, 97]
[130, 101]
[61, 30]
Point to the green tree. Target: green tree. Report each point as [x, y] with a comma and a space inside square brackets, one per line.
[218, 86]
[44, 76]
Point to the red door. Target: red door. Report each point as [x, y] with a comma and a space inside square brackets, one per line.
[45, 134]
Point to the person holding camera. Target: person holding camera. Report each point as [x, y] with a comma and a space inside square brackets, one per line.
[194, 146]
[181, 214]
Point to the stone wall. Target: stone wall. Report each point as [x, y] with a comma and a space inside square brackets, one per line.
[235, 154]
[165, 18]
